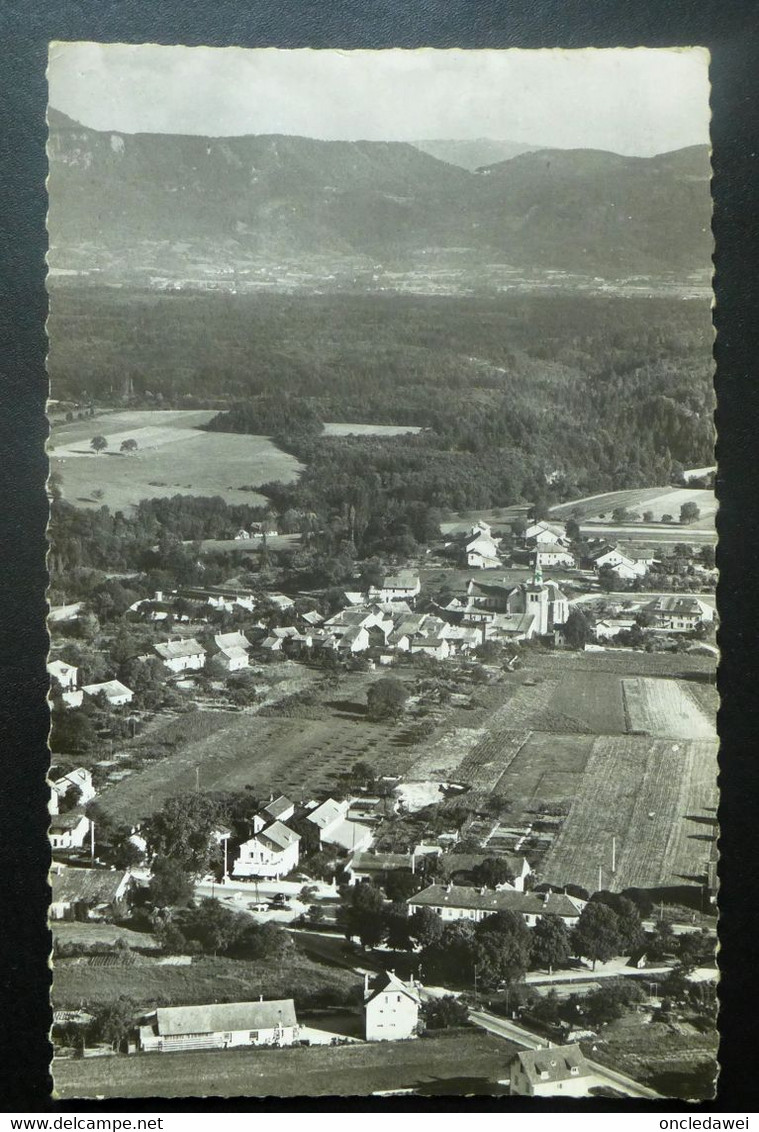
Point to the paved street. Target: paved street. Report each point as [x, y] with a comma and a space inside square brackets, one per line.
[514, 1033]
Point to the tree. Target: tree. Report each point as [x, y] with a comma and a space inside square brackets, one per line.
[577, 629]
[629, 926]
[689, 512]
[386, 699]
[596, 934]
[425, 927]
[502, 948]
[609, 580]
[98, 444]
[612, 1000]
[214, 927]
[129, 445]
[361, 913]
[113, 1023]
[648, 516]
[170, 884]
[551, 945]
[181, 830]
[573, 530]
[362, 774]
[493, 871]
[400, 884]
[444, 1013]
[667, 518]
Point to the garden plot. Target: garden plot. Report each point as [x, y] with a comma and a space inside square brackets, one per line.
[485, 765]
[546, 770]
[444, 757]
[664, 708]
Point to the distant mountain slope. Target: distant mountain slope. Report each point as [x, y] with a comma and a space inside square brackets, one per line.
[472, 153]
[578, 210]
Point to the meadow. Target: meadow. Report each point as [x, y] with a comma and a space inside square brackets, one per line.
[174, 456]
[658, 500]
[354, 1070]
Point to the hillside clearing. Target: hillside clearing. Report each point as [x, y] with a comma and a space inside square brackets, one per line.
[174, 456]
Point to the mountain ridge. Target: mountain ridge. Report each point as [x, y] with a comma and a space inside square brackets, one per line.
[277, 195]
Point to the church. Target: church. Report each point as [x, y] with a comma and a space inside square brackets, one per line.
[544, 601]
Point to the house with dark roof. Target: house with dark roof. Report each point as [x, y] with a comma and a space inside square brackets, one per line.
[391, 1008]
[69, 831]
[458, 902]
[181, 655]
[219, 1026]
[404, 585]
[86, 893]
[280, 808]
[678, 613]
[555, 1071]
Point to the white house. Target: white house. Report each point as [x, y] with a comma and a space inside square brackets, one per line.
[391, 1008]
[69, 831]
[182, 655]
[543, 532]
[67, 675]
[219, 1026]
[402, 586]
[553, 554]
[335, 828]
[79, 779]
[242, 535]
[622, 564]
[272, 851]
[279, 808]
[679, 613]
[553, 1072]
[458, 902]
[232, 650]
[114, 691]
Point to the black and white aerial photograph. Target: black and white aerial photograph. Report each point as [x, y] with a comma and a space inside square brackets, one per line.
[382, 573]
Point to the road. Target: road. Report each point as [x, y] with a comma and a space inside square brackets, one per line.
[504, 1028]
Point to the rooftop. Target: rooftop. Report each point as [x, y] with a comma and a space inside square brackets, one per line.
[503, 900]
[172, 650]
[229, 1016]
[553, 1064]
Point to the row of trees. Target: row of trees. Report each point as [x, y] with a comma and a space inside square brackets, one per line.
[500, 947]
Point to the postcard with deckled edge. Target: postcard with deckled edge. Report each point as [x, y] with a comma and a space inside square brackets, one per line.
[382, 573]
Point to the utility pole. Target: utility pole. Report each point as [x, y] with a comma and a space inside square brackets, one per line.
[613, 855]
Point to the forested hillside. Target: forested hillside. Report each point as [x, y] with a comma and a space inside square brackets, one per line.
[518, 396]
[139, 198]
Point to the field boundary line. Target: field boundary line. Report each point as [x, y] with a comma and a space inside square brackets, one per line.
[507, 768]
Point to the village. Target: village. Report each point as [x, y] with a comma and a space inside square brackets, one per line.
[397, 782]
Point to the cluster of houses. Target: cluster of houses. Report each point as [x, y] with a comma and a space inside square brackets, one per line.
[462, 902]
[273, 849]
[66, 677]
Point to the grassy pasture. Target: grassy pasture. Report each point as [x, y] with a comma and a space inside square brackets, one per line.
[206, 980]
[665, 708]
[356, 1070]
[659, 500]
[174, 457]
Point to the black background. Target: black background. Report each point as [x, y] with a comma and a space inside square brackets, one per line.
[729, 30]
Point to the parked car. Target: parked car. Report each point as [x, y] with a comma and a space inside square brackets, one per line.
[280, 899]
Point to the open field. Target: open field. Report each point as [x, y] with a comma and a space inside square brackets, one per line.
[656, 798]
[659, 500]
[89, 935]
[208, 979]
[356, 1070]
[174, 457]
[664, 708]
[346, 429]
[297, 755]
